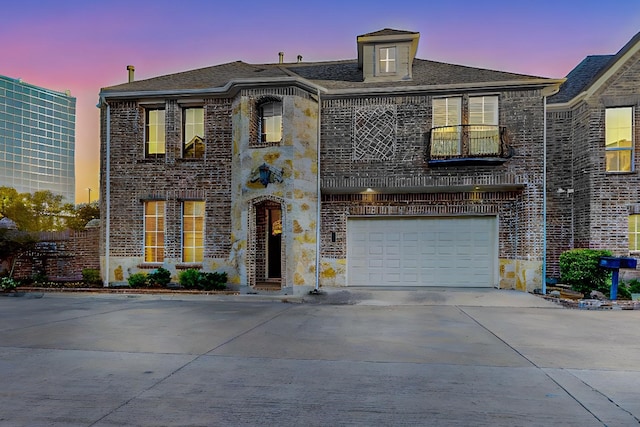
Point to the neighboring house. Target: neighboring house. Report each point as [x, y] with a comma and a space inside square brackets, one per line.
[593, 128]
[427, 173]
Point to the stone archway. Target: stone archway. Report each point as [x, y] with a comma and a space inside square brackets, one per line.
[266, 250]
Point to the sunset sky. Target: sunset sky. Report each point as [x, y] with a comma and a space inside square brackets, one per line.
[83, 45]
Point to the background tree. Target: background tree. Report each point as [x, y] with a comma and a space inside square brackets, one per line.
[13, 244]
[82, 214]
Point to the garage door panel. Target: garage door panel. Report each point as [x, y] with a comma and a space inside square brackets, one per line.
[455, 251]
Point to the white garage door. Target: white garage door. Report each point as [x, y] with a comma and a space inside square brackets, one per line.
[419, 251]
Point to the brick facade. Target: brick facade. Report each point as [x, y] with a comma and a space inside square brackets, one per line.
[595, 214]
[365, 134]
[61, 255]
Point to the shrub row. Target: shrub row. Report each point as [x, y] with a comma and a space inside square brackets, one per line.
[188, 279]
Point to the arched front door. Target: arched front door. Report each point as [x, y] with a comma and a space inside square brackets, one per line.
[267, 256]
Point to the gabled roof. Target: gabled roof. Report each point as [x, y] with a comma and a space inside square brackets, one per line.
[592, 72]
[332, 75]
[580, 77]
[388, 32]
[341, 78]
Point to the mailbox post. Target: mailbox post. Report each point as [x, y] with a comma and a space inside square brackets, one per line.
[615, 264]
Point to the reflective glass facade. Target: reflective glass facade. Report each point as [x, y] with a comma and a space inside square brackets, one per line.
[37, 139]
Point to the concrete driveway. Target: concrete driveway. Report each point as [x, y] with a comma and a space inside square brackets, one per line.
[350, 357]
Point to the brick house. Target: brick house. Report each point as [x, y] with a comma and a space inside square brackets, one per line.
[378, 171]
[593, 186]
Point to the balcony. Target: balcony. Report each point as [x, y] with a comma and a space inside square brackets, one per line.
[468, 145]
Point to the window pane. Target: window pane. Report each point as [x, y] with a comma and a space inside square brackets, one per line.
[271, 122]
[154, 231]
[193, 132]
[634, 232]
[155, 132]
[619, 139]
[483, 110]
[192, 231]
[387, 59]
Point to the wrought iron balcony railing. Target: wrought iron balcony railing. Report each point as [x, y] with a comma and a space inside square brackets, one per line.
[468, 143]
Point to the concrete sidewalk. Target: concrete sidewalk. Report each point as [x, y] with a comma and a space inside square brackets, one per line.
[479, 357]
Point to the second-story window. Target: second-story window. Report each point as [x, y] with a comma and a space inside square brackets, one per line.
[193, 133]
[387, 60]
[619, 139]
[447, 116]
[271, 122]
[154, 145]
[484, 136]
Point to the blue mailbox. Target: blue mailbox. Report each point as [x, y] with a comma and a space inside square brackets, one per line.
[615, 264]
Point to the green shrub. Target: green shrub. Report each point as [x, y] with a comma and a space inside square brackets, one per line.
[634, 286]
[8, 284]
[160, 277]
[91, 276]
[138, 280]
[213, 281]
[579, 269]
[189, 279]
[195, 279]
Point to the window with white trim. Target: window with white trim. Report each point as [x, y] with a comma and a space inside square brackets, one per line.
[154, 231]
[619, 139]
[387, 63]
[447, 116]
[192, 231]
[193, 133]
[634, 233]
[484, 134]
[154, 132]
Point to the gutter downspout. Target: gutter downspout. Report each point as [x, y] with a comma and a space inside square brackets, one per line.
[544, 196]
[107, 248]
[318, 213]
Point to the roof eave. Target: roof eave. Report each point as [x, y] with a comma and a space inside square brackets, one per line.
[230, 89]
[447, 88]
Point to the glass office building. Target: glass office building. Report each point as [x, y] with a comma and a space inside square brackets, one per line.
[37, 139]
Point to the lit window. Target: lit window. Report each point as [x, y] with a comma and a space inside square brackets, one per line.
[484, 133]
[619, 139]
[634, 233]
[192, 231]
[387, 60]
[271, 122]
[155, 134]
[193, 132]
[154, 231]
[446, 130]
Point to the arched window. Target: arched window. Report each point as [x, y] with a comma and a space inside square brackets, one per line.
[270, 122]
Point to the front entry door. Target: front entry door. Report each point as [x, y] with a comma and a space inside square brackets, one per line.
[274, 238]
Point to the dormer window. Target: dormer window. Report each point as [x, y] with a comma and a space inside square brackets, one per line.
[386, 60]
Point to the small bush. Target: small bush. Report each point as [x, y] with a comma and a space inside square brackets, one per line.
[195, 279]
[634, 286]
[579, 269]
[138, 280]
[39, 278]
[91, 276]
[7, 284]
[213, 281]
[189, 279]
[160, 277]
